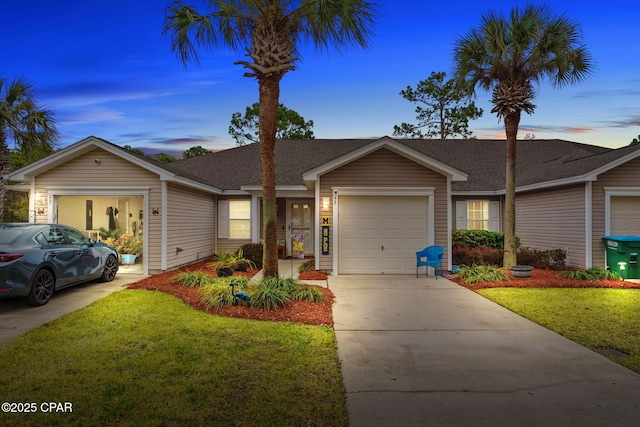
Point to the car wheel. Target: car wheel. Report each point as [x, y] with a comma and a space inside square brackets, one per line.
[41, 289]
[110, 269]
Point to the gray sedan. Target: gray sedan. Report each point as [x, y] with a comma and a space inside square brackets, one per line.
[38, 259]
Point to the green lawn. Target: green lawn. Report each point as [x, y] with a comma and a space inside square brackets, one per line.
[145, 358]
[594, 318]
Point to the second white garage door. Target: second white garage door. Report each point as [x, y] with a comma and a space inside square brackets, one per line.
[625, 216]
[380, 234]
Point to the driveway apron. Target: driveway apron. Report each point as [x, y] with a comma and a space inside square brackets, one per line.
[16, 317]
[423, 352]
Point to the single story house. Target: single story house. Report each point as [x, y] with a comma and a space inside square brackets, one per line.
[359, 206]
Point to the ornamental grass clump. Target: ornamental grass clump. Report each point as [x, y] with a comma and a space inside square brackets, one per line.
[217, 293]
[270, 293]
[592, 274]
[479, 273]
[193, 279]
[308, 293]
[306, 266]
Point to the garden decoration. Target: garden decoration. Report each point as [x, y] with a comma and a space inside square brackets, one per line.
[240, 295]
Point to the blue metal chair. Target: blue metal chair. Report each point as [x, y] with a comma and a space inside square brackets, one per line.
[430, 257]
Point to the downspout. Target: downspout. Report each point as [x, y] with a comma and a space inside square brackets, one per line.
[255, 218]
[215, 224]
[588, 224]
[32, 201]
[449, 225]
[164, 221]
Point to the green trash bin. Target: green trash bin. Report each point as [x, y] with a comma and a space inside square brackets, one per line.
[622, 255]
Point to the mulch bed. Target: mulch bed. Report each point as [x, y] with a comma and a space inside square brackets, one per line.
[295, 311]
[546, 279]
[321, 314]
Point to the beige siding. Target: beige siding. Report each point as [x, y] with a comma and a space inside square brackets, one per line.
[384, 168]
[554, 219]
[627, 175]
[190, 225]
[111, 173]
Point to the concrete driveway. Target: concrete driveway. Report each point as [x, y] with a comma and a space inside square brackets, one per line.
[421, 352]
[16, 317]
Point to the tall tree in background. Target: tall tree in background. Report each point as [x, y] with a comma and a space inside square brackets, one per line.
[269, 31]
[30, 126]
[291, 125]
[444, 109]
[508, 55]
[195, 151]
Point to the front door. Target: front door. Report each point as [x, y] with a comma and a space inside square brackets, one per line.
[301, 227]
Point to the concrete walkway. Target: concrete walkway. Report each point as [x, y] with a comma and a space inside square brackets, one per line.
[16, 317]
[421, 352]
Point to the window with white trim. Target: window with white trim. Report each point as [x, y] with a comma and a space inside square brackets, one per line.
[478, 215]
[234, 219]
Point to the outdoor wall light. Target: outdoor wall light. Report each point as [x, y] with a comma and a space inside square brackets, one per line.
[40, 211]
[155, 211]
[326, 202]
[98, 161]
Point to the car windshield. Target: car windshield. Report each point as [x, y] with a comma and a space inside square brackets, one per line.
[8, 235]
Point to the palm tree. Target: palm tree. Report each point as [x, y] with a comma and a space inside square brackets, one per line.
[269, 31]
[509, 55]
[30, 127]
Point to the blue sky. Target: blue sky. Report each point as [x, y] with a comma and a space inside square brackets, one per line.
[105, 69]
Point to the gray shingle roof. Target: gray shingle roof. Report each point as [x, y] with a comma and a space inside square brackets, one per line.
[538, 161]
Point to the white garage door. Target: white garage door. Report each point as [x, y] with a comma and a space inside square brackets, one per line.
[625, 216]
[380, 235]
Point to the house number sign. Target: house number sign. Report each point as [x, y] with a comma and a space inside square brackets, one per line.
[325, 234]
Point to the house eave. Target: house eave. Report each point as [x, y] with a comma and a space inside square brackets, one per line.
[25, 174]
[254, 188]
[557, 183]
[477, 193]
[455, 175]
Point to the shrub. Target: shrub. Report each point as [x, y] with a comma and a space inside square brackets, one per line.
[194, 279]
[475, 238]
[539, 258]
[253, 253]
[478, 273]
[463, 255]
[591, 274]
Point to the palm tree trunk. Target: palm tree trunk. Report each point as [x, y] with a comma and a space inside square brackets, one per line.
[4, 169]
[269, 97]
[511, 122]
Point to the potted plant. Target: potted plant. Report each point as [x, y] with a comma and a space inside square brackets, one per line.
[127, 246]
[242, 263]
[224, 262]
